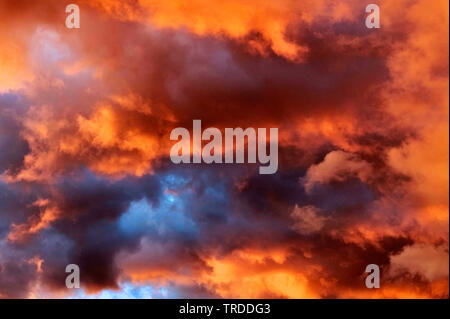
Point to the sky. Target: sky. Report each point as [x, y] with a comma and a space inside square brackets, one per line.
[85, 170]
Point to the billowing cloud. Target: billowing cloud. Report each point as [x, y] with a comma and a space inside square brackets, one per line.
[86, 178]
[427, 261]
[307, 219]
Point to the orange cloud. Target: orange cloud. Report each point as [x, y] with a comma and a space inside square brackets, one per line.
[34, 224]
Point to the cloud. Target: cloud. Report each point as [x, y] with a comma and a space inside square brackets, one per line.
[307, 220]
[425, 260]
[85, 177]
[336, 166]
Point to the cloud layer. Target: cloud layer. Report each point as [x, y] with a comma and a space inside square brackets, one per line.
[86, 178]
